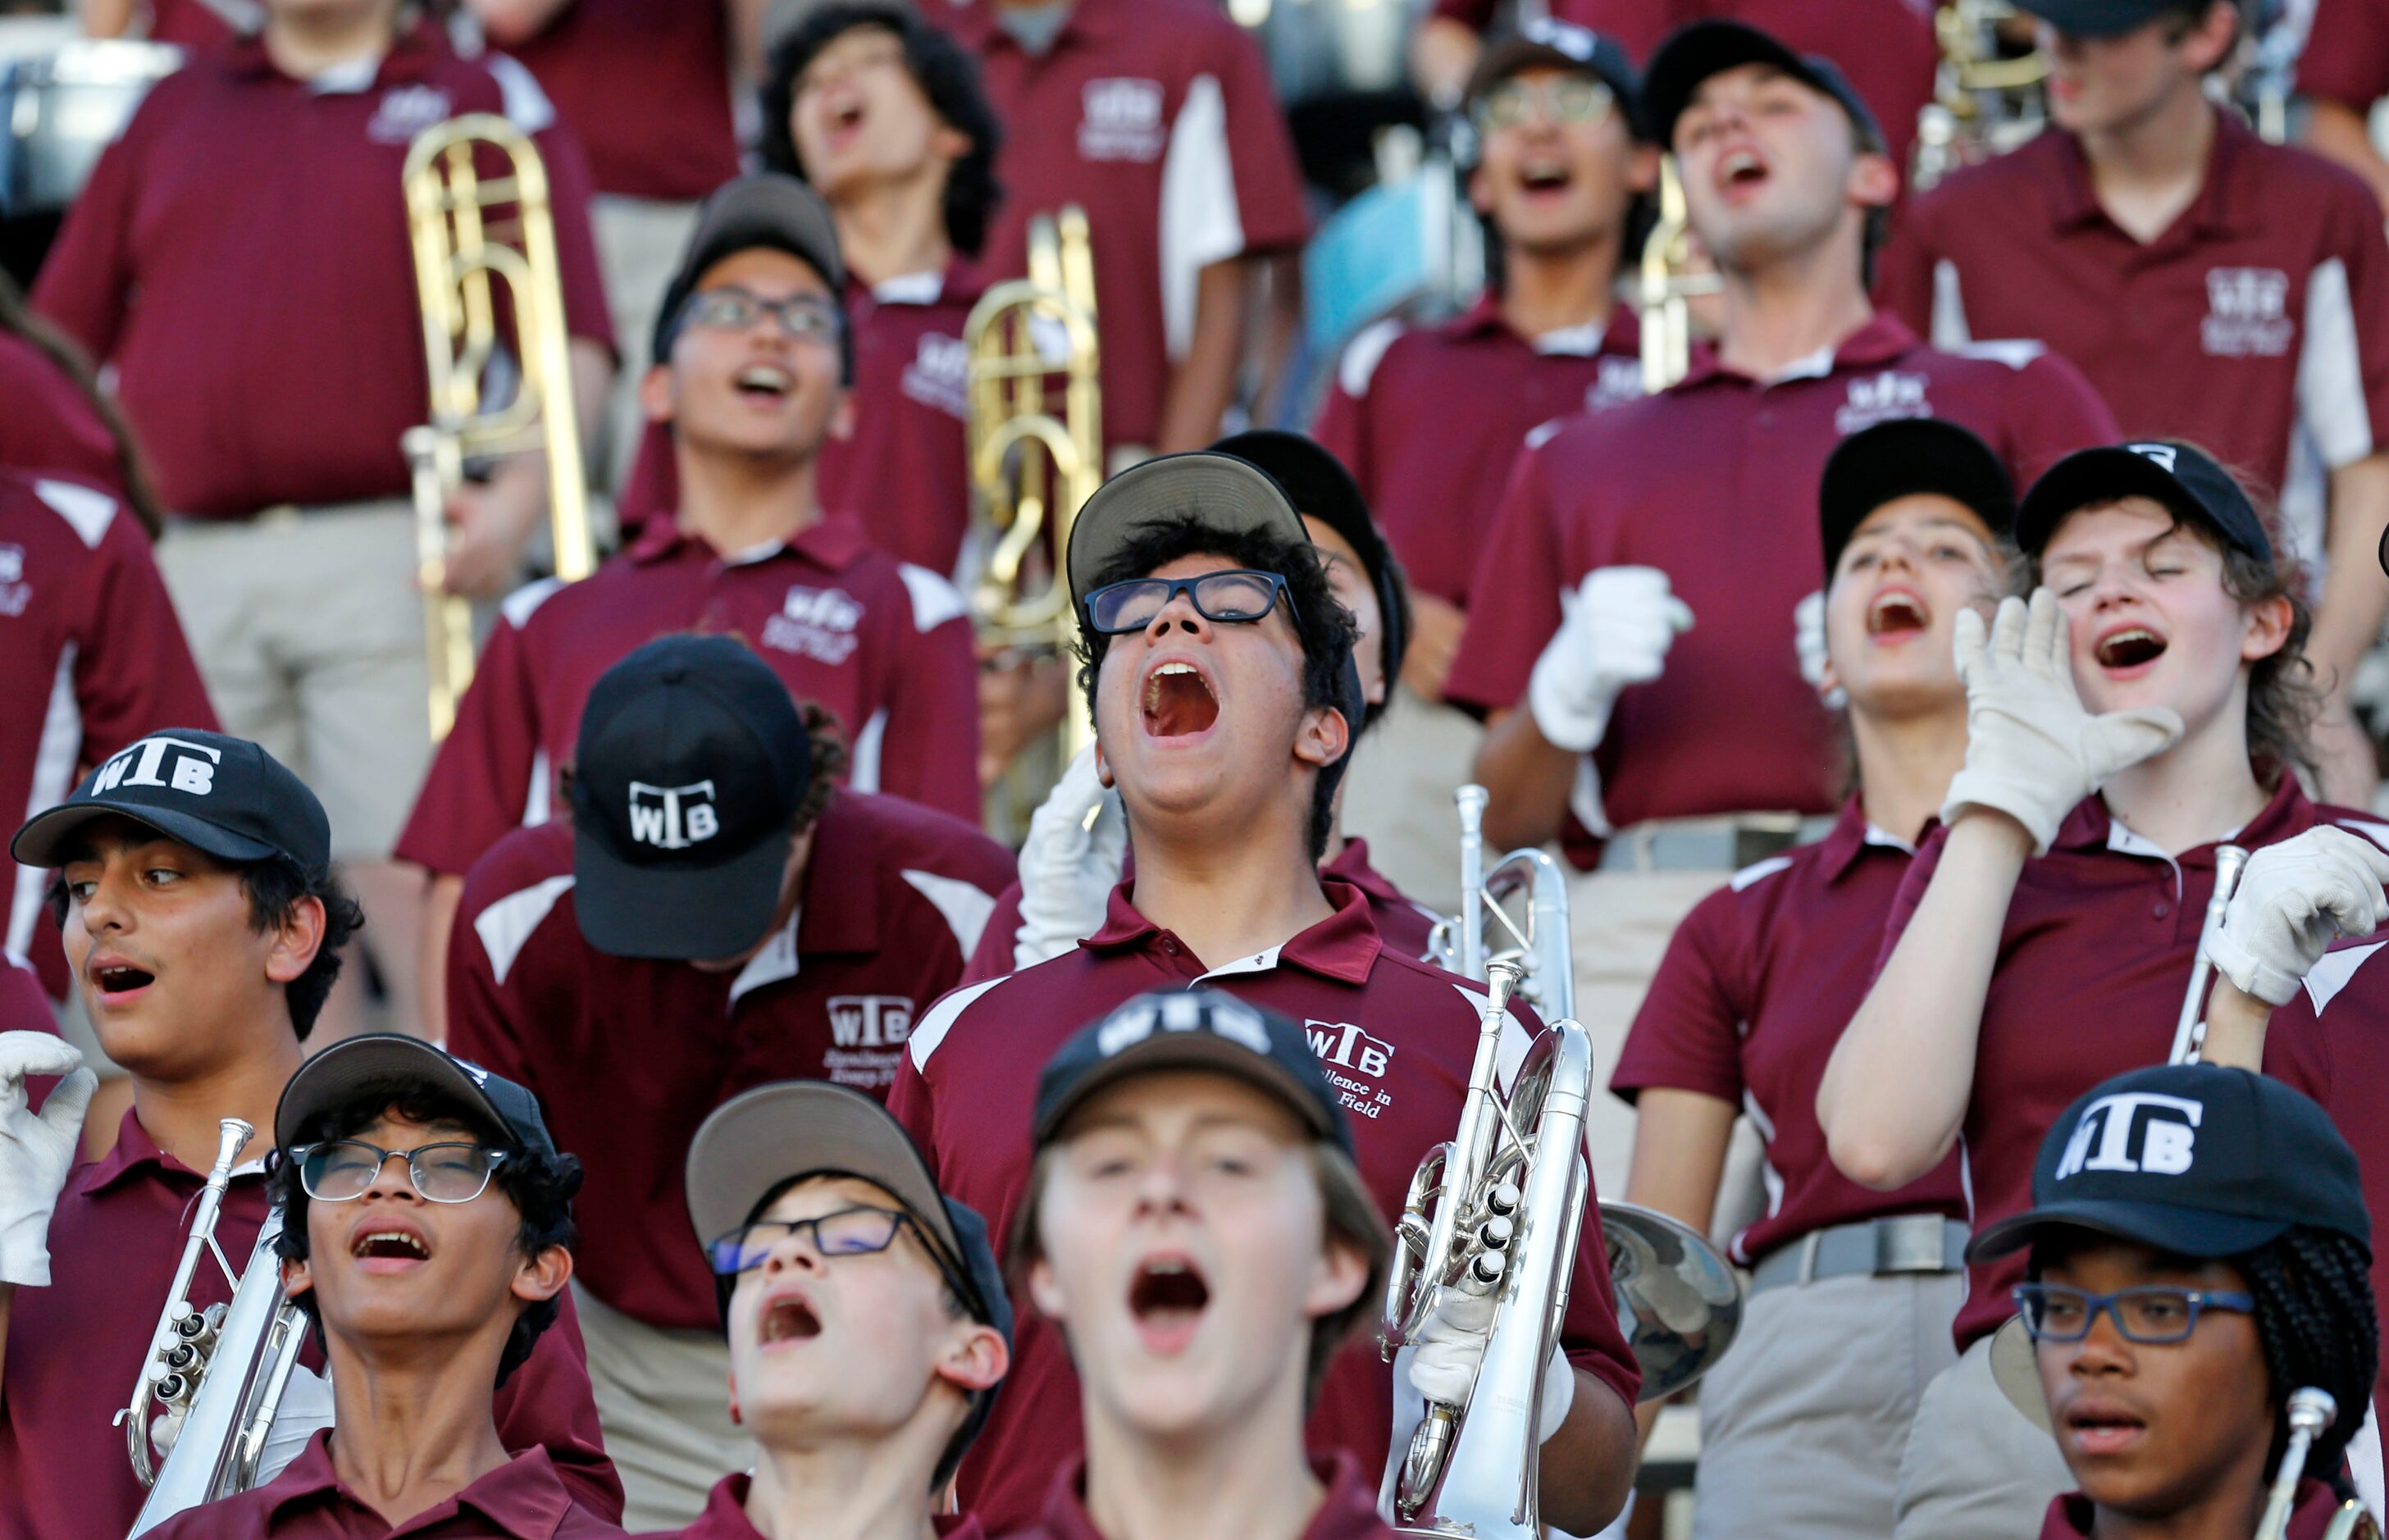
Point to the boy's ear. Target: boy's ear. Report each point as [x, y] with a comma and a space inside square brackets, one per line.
[976, 1359]
[544, 1275]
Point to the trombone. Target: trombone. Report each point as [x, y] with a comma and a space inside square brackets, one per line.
[1668, 282]
[467, 230]
[1986, 100]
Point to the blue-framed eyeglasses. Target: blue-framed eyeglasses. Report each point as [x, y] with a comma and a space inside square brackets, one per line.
[2154, 1313]
[856, 1231]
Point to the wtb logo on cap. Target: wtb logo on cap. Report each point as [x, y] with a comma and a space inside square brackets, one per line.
[2166, 1128]
[187, 766]
[1228, 1018]
[674, 818]
[2161, 453]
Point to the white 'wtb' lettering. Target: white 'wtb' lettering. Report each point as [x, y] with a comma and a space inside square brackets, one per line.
[674, 818]
[192, 767]
[2168, 1134]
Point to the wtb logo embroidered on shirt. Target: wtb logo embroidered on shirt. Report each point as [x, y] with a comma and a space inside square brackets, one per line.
[186, 767]
[407, 110]
[1880, 399]
[1122, 121]
[939, 375]
[817, 622]
[14, 592]
[2247, 313]
[1342, 1045]
[2134, 1131]
[1619, 381]
[674, 818]
[868, 1032]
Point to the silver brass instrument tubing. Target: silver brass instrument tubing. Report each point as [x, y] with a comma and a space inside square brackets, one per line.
[2190, 1027]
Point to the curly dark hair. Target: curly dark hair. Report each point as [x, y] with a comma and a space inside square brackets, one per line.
[274, 887]
[541, 1187]
[1325, 627]
[944, 71]
[2315, 1321]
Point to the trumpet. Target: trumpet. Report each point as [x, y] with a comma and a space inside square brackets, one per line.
[1986, 101]
[218, 1376]
[460, 245]
[2310, 1411]
[2190, 1027]
[1667, 284]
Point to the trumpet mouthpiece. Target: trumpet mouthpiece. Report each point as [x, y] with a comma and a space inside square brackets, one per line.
[2312, 1409]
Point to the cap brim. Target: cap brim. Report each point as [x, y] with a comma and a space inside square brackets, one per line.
[1198, 1050]
[2015, 1368]
[763, 1137]
[682, 913]
[1203, 488]
[2188, 1232]
[45, 838]
[341, 1069]
[2100, 475]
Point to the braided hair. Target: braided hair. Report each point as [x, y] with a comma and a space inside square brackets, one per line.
[2315, 1320]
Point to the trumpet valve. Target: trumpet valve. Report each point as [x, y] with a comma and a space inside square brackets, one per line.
[1504, 1198]
[1484, 1272]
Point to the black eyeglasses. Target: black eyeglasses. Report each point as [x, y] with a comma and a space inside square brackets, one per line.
[857, 1231]
[2154, 1313]
[1237, 597]
[342, 1170]
[805, 317]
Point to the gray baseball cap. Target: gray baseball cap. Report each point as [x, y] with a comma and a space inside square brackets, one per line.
[1217, 491]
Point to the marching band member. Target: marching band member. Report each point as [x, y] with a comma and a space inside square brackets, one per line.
[2197, 1248]
[1160, 121]
[714, 913]
[1688, 512]
[1078, 840]
[868, 1325]
[2146, 706]
[755, 360]
[1195, 1225]
[1853, 1290]
[240, 262]
[884, 115]
[2342, 72]
[2213, 286]
[426, 1235]
[203, 920]
[1429, 418]
[1213, 648]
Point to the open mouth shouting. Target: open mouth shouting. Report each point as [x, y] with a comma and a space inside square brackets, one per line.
[1543, 177]
[2128, 651]
[386, 1243]
[845, 116]
[1898, 614]
[1166, 1295]
[1741, 171]
[1177, 701]
[787, 1316]
[765, 383]
[117, 977]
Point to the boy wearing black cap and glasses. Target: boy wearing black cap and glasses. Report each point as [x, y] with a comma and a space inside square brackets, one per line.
[1216, 656]
[201, 916]
[1633, 594]
[2197, 1251]
[866, 1316]
[2213, 286]
[715, 914]
[1196, 1227]
[753, 360]
[426, 1233]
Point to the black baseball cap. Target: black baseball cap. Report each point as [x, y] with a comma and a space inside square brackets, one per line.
[2195, 1159]
[691, 764]
[1204, 1029]
[1319, 487]
[1542, 43]
[2097, 17]
[1693, 53]
[2180, 477]
[763, 209]
[394, 1061]
[221, 796]
[1217, 491]
[1903, 457]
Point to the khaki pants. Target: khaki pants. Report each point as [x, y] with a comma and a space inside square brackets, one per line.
[1398, 796]
[309, 633]
[1974, 1469]
[663, 1400]
[1803, 1422]
[639, 243]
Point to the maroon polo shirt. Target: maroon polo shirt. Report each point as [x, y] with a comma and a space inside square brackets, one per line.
[1396, 1038]
[645, 85]
[2091, 965]
[1347, 1512]
[75, 1346]
[189, 23]
[2071, 1515]
[628, 1055]
[94, 659]
[1402, 922]
[241, 258]
[884, 647]
[1429, 419]
[2331, 1041]
[1714, 481]
[2346, 57]
[524, 1499]
[725, 1518]
[1158, 117]
[2256, 325]
[50, 425]
[1755, 991]
[902, 472]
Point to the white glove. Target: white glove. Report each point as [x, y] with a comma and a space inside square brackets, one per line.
[2032, 751]
[2292, 899]
[36, 1153]
[1809, 643]
[1067, 871]
[1451, 1345]
[1617, 627]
